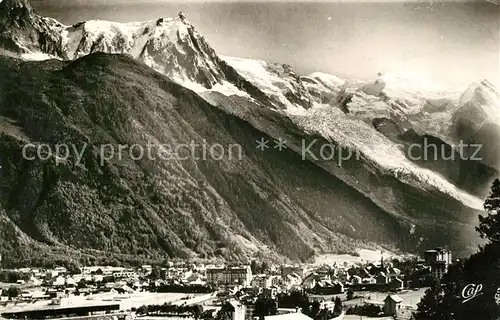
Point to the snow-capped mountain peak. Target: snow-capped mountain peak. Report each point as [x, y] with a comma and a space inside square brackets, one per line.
[485, 94]
[479, 105]
[411, 81]
[169, 45]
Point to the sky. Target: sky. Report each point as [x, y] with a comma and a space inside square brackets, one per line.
[453, 44]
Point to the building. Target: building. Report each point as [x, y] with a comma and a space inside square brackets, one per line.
[396, 284]
[289, 316]
[439, 260]
[392, 304]
[291, 281]
[124, 274]
[61, 271]
[438, 270]
[59, 282]
[276, 281]
[261, 281]
[234, 309]
[229, 276]
[370, 280]
[61, 311]
[392, 272]
[437, 255]
[355, 279]
[328, 287]
[289, 269]
[146, 269]
[382, 278]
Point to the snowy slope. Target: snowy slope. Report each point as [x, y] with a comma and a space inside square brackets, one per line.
[173, 47]
[323, 87]
[328, 80]
[411, 101]
[477, 120]
[480, 104]
[415, 104]
[363, 139]
[277, 81]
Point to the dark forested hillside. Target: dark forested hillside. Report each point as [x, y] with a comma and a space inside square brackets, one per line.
[230, 208]
[229, 204]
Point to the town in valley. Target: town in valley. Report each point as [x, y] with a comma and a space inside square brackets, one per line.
[387, 289]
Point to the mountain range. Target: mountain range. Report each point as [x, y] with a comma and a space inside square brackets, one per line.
[98, 83]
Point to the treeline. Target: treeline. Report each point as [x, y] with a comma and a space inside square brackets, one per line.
[46, 258]
[12, 292]
[184, 289]
[367, 310]
[296, 299]
[10, 276]
[168, 309]
[315, 311]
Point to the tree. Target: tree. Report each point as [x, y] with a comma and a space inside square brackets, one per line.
[315, 308]
[337, 309]
[13, 292]
[253, 266]
[142, 310]
[447, 298]
[324, 314]
[428, 305]
[225, 312]
[264, 266]
[155, 273]
[82, 283]
[294, 299]
[489, 226]
[265, 307]
[350, 294]
[197, 311]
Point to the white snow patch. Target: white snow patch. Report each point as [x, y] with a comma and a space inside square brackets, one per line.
[37, 56]
[296, 110]
[329, 79]
[196, 87]
[228, 89]
[255, 72]
[365, 255]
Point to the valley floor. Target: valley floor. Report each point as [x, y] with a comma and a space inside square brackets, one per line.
[126, 302]
[365, 255]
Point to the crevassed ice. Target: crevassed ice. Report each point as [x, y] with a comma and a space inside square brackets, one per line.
[352, 133]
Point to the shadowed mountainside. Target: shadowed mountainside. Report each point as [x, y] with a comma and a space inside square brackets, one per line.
[232, 208]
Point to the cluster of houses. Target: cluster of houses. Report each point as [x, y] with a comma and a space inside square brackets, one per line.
[326, 279]
[197, 278]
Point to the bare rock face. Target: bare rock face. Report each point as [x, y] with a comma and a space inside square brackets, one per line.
[182, 54]
[23, 31]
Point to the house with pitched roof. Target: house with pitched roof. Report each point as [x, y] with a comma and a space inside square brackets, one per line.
[392, 304]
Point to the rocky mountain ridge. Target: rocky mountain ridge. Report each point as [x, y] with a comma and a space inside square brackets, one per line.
[217, 209]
